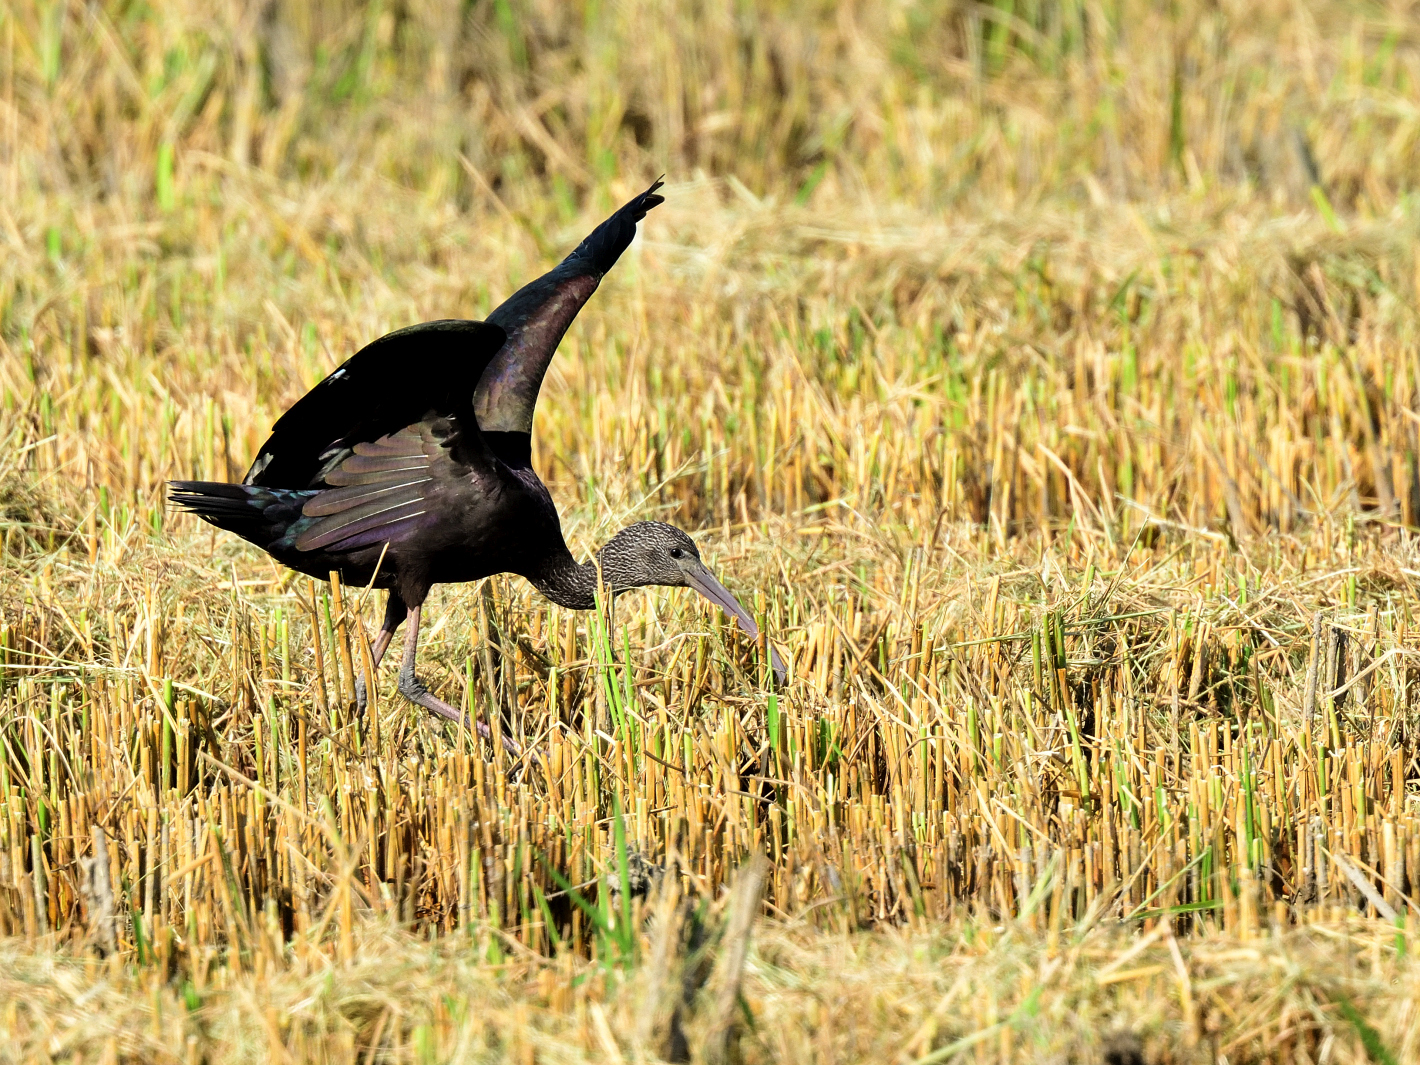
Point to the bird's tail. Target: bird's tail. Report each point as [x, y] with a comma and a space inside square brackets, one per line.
[261, 515]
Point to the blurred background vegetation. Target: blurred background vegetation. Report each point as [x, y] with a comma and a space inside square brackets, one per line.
[938, 104]
[174, 172]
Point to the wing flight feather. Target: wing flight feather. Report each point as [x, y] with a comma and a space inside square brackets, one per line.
[535, 319]
[360, 408]
[367, 505]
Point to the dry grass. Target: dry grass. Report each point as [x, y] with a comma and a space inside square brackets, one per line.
[1059, 392]
[894, 995]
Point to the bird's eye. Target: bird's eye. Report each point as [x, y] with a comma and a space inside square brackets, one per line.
[677, 553]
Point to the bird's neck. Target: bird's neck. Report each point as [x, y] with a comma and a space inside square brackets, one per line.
[567, 582]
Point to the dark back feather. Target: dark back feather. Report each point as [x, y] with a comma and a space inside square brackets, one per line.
[535, 318]
[388, 384]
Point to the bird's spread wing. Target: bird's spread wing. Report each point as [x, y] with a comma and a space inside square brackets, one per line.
[388, 385]
[535, 317]
[382, 488]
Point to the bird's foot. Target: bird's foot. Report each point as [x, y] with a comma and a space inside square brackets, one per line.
[362, 697]
[414, 689]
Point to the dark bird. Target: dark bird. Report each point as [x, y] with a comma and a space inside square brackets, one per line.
[410, 465]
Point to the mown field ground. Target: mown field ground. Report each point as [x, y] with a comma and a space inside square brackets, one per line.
[1046, 376]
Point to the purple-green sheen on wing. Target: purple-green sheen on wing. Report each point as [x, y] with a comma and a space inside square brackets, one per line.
[507, 392]
[538, 314]
[374, 504]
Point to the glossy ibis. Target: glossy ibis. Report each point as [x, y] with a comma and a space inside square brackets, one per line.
[410, 465]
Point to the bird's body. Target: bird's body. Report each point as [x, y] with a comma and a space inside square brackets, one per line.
[409, 465]
[402, 512]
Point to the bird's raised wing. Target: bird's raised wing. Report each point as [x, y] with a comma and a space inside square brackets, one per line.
[386, 386]
[535, 317]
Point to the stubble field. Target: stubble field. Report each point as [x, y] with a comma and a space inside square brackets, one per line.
[1045, 375]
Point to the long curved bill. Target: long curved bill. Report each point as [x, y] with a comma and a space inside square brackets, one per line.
[704, 582]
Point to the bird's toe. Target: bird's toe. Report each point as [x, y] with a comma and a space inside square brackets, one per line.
[412, 688]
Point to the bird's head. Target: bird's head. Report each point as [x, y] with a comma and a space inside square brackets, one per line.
[652, 552]
[649, 552]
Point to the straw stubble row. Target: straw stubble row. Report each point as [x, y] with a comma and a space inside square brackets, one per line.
[1027, 769]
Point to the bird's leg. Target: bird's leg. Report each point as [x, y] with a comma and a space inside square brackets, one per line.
[394, 616]
[413, 689]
